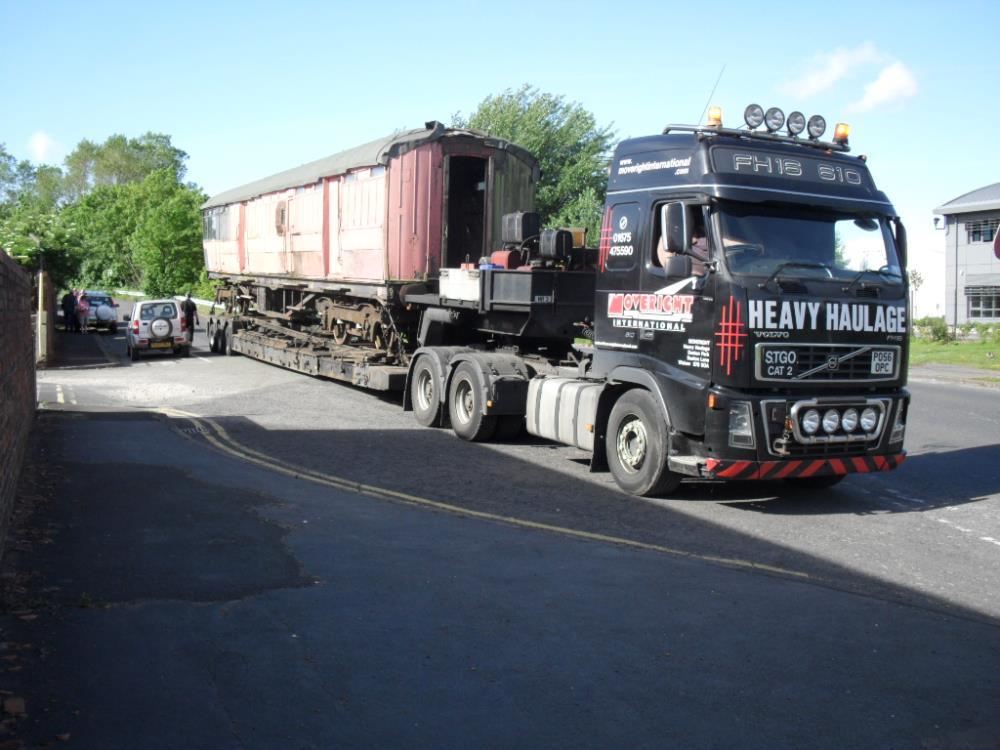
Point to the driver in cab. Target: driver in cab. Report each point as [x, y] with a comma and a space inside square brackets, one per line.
[698, 251]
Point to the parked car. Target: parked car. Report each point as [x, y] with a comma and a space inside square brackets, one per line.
[156, 325]
[103, 311]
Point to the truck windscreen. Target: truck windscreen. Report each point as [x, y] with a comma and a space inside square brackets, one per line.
[757, 240]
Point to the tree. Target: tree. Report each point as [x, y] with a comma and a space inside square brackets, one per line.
[572, 151]
[167, 238]
[120, 160]
[41, 238]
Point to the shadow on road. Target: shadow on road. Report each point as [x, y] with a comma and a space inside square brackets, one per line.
[177, 581]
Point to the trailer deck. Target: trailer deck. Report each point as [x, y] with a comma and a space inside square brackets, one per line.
[351, 363]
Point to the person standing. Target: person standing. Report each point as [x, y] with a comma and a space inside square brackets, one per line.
[190, 310]
[69, 311]
[82, 311]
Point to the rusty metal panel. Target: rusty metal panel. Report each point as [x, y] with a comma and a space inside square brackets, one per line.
[266, 251]
[416, 211]
[305, 231]
[361, 246]
[222, 251]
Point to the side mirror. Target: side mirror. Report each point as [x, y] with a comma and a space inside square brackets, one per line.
[678, 266]
[673, 225]
[901, 241]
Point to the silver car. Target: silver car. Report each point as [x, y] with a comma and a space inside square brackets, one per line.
[103, 311]
[156, 325]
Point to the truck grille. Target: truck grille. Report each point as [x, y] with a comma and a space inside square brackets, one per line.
[831, 363]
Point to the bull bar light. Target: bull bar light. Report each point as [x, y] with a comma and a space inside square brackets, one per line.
[810, 422]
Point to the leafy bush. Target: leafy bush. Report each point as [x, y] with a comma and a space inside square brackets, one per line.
[933, 328]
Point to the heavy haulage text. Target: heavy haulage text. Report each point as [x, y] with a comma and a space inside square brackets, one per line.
[837, 316]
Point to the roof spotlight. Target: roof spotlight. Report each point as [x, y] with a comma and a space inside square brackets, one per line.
[774, 118]
[796, 123]
[816, 126]
[753, 116]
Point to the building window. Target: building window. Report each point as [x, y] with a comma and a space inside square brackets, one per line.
[983, 302]
[982, 231]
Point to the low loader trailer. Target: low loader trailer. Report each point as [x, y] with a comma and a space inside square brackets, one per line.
[743, 318]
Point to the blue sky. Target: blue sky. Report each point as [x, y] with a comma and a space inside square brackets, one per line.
[248, 89]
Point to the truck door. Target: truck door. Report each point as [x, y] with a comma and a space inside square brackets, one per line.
[617, 299]
[677, 325]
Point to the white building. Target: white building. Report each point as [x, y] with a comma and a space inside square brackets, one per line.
[972, 256]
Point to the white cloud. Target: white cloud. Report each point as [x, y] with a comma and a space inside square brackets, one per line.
[826, 69]
[895, 83]
[42, 148]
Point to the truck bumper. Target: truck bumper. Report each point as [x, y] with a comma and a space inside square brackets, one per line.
[714, 468]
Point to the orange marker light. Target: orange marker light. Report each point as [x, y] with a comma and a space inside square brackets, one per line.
[711, 400]
[841, 132]
[714, 117]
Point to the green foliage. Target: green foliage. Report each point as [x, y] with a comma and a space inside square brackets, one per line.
[572, 150]
[118, 216]
[167, 237]
[41, 239]
[119, 161]
[933, 328]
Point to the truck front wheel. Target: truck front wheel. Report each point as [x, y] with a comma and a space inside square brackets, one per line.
[465, 406]
[635, 446]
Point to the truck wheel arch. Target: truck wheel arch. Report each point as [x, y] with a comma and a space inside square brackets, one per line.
[500, 377]
[441, 357]
[620, 381]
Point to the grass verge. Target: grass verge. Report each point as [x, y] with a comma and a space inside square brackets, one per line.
[959, 353]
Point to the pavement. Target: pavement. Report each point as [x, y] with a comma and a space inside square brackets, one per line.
[158, 593]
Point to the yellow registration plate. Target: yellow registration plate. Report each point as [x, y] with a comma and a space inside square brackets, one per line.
[160, 345]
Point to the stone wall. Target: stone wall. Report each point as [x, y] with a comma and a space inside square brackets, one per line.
[17, 379]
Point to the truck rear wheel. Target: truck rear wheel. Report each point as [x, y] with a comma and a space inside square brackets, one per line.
[465, 406]
[635, 446]
[425, 393]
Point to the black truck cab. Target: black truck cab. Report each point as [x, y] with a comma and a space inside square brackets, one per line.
[777, 348]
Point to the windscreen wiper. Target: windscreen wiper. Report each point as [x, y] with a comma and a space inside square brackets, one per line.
[794, 264]
[884, 272]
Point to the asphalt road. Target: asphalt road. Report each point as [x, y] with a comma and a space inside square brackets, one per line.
[242, 589]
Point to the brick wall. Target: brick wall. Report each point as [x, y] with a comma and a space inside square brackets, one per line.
[17, 379]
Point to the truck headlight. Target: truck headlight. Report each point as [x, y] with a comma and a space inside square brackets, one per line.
[741, 425]
[899, 426]
[831, 421]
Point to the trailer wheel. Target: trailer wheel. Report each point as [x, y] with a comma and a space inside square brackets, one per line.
[227, 342]
[465, 406]
[213, 345]
[425, 390]
[635, 447]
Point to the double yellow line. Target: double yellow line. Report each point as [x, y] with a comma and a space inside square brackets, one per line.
[217, 436]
